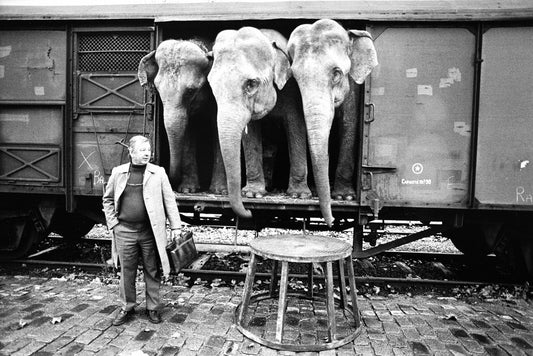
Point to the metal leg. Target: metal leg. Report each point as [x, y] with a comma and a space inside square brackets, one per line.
[248, 287]
[353, 293]
[357, 239]
[273, 277]
[310, 281]
[342, 279]
[330, 303]
[282, 304]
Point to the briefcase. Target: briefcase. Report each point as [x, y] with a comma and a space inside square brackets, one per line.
[182, 251]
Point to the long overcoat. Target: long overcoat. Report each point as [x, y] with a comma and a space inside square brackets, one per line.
[159, 200]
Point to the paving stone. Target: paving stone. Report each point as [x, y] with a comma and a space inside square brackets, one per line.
[391, 325]
[250, 348]
[411, 333]
[194, 343]
[71, 349]
[397, 341]
[495, 351]
[16, 345]
[29, 349]
[381, 348]
[471, 346]
[401, 351]
[521, 344]
[511, 349]
[419, 348]
[364, 350]
[46, 335]
[88, 336]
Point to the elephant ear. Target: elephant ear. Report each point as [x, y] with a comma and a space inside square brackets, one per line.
[363, 57]
[282, 66]
[148, 69]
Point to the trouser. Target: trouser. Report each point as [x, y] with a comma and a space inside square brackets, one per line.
[132, 242]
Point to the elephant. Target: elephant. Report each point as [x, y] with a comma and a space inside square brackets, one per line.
[250, 78]
[329, 63]
[178, 70]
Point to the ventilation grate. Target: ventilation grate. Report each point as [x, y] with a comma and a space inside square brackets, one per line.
[112, 52]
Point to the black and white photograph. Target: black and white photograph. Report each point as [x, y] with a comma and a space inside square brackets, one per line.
[266, 177]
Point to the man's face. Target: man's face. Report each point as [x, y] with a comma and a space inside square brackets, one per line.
[141, 153]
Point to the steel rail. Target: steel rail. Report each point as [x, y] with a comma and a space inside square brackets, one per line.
[238, 275]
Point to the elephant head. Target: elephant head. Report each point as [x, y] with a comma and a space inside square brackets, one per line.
[323, 55]
[246, 66]
[178, 69]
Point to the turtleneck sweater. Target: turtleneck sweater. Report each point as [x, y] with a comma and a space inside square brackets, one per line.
[132, 209]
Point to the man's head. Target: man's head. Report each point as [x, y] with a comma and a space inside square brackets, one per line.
[140, 150]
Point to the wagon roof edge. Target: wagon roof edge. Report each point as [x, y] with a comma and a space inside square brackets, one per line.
[191, 10]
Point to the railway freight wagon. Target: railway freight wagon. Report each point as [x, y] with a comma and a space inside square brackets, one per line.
[443, 130]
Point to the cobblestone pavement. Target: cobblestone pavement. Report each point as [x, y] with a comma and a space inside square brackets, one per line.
[41, 316]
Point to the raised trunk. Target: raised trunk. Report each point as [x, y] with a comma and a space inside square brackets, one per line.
[175, 120]
[230, 127]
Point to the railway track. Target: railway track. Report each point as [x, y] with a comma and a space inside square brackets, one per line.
[226, 261]
[391, 270]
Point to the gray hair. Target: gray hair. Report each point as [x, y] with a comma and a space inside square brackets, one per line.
[136, 140]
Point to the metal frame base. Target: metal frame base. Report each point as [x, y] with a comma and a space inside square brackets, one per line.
[336, 343]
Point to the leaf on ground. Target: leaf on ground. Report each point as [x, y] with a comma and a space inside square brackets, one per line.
[21, 324]
[450, 317]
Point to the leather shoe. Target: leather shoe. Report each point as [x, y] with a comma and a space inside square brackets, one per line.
[123, 316]
[153, 316]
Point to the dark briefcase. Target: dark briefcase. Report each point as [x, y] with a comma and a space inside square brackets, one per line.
[182, 251]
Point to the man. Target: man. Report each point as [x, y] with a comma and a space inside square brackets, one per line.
[137, 202]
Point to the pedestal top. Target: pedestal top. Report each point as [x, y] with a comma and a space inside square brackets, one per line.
[301, 248]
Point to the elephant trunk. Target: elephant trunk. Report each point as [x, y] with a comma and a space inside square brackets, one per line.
[230, 127]
[318, 119]
[176, 121]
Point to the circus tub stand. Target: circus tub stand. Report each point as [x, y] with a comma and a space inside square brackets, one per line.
[314, 322]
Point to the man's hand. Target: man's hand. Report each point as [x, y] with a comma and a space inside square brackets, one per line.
[176, 233]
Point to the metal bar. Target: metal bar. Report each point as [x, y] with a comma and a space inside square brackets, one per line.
[353, 293]
[109, 91]
[282, 304]
[45, 251]
[330, 302]
[116, 51]
[29, 164]
[273, 277]
[475, 115]
[396, 243]
[342, 280]
[310, 281]
[248, 288]
[33, 102]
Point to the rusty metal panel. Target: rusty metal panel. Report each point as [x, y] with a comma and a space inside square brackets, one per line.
[418, 117]
[96, 151]
[108, 102]
[504, 171]
[31, 145]
[32, 65]
[110, 91]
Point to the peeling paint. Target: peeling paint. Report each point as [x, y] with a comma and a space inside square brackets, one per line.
[5, 51]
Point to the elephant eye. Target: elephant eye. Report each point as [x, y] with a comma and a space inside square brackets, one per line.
[251, 86]
[189, 93]
[337, 76]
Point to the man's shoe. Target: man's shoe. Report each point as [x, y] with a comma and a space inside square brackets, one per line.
[153, 316]
[123, 316]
